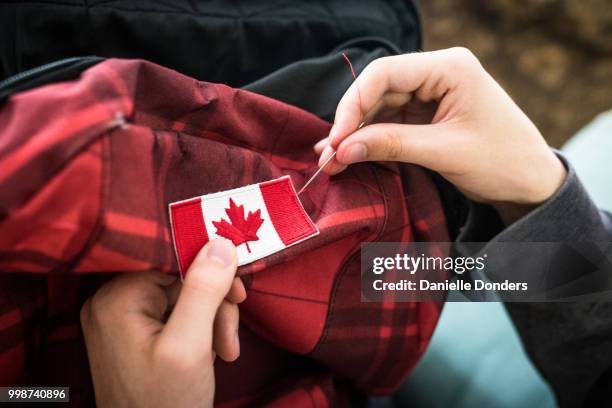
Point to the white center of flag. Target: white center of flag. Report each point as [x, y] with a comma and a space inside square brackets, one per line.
[214, 207]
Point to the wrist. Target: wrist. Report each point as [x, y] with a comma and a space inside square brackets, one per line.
[550, 177]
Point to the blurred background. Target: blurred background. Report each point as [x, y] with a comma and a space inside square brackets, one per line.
[553, 56]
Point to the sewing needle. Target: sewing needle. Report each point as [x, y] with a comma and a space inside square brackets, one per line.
[310, 180]
[314, 176]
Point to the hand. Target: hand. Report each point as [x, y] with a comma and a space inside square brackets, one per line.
[443, 111]
[137, 359]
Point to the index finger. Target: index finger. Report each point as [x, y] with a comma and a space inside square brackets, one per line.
[425, 74]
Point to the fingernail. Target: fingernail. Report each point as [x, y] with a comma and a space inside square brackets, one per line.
[324, 155]
[331, 136]
[355, 153]
[222, 251]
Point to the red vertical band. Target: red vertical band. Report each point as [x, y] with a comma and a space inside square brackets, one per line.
[290, 221]
[188, 230]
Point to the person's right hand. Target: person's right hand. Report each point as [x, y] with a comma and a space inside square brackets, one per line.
[443, 111]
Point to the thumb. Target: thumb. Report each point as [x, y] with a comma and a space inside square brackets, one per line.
[207, 282]
[425, 145]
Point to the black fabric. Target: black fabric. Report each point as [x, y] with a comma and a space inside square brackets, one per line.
[318, 84]
[215, 40]
[456, 206]
[57, 71]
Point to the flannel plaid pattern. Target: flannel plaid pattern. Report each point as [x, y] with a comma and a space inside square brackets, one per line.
[87, 169]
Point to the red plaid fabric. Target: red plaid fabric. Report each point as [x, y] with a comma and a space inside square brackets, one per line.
[87, 169]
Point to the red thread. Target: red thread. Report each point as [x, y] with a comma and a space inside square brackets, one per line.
[348, 61]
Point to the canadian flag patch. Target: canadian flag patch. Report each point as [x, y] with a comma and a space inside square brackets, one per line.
[259, 219]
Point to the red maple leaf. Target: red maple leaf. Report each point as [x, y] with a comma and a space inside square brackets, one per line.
[239, 230]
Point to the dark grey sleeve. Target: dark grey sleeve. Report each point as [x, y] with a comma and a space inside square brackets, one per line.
[570, 343]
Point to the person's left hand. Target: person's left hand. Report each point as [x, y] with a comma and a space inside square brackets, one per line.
[137, 359]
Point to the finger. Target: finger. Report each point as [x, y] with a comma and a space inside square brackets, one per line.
[225, 342]
[206, 284]
[130, 302]
[135, 294]
[335, 167]
[426, 145]
[161, 278]
[237, 293]
[173, 291]
[429, 75]
[320, 145]
[155, 284]
[332, 167]
[390, 101]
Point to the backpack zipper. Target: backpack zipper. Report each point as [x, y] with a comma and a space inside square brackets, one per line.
[38, 70]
